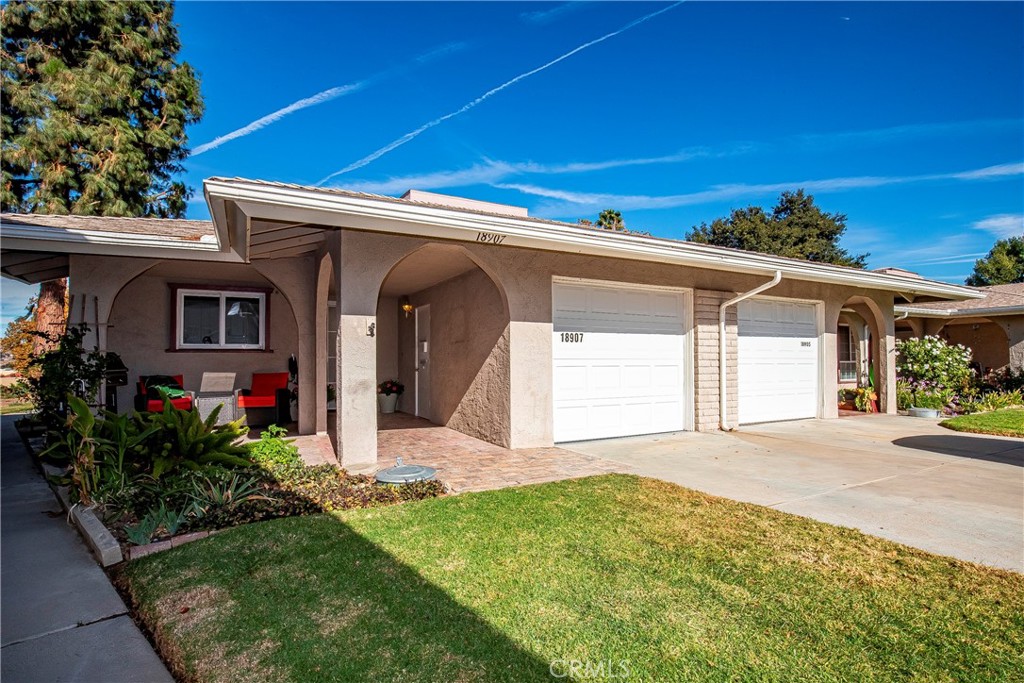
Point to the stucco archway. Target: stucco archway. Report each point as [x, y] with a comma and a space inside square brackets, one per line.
[457, 373]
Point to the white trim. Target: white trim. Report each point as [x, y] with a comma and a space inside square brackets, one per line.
[918, 312]
[396, 217]
[220, 295]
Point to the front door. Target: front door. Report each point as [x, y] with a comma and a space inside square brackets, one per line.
[422, 357]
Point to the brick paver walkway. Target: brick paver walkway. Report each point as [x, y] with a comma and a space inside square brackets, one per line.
[468, 464]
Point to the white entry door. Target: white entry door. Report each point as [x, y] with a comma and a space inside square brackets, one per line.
[619, 360]
[778, 360]
[422, 357]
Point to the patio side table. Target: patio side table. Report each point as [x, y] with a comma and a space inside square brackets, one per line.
[206, 402]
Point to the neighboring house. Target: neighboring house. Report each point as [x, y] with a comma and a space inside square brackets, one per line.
[519, 331]
[992, 326]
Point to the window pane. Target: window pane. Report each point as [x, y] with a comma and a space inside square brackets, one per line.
[242, 320]
[200, 320]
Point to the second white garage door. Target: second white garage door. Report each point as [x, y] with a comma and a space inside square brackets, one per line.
[619, 360]
[778, 360]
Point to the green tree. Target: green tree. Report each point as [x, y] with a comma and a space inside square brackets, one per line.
[95, 106]
[611, 219]
[19, 339]
[796, 228]
[1003, 265]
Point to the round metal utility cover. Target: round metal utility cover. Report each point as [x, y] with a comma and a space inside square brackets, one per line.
[405, 474]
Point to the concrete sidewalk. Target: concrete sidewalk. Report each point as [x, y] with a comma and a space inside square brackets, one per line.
[61, 618]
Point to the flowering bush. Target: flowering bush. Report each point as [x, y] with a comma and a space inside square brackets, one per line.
[925, 394]
[391, 386]
[933, 360]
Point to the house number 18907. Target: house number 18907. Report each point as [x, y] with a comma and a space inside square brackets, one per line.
[489, 238]
[572, 337]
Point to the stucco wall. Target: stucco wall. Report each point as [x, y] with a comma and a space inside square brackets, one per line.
[469, 356]
[140, 328]
[988, 342]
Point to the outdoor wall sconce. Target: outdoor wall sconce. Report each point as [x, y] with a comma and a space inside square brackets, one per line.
[406, 306]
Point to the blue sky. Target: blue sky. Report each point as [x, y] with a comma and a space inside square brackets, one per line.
[907, 117]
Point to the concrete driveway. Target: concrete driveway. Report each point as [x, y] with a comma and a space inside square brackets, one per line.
[902, 478]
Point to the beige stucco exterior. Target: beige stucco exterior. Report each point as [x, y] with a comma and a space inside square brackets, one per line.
[491, 330]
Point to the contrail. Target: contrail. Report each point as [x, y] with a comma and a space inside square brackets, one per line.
[494, 91]
[319, 98]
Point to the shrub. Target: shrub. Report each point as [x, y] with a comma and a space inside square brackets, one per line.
[931, 359]
[904, 394]
[181, 438]
[65, 369]
[997, 400]
[1005, 379]
[273, 450]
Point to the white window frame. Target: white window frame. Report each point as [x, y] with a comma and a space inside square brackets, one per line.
[852, 350]
[221, 295]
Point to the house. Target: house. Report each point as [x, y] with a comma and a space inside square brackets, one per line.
[991, 326]
[519, 331]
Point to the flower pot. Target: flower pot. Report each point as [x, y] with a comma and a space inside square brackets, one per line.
[387, 402]
[923, 412]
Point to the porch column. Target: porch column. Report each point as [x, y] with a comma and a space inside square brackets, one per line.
[531, 410]
[932, 326]
[357, 358]
[830, 359]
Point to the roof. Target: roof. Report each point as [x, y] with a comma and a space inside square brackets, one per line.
[241, 208]
[997, 300]
[171, 228]
[36, 246]
[270, 200]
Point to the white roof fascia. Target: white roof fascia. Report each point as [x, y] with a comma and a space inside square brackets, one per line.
[289, 203]
[19, 236]
[958, 313]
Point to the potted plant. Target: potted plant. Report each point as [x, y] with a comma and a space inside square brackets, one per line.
[388, 392]
[929, 401]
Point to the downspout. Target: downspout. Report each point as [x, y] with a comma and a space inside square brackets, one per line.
[902, 316]
[723, 420]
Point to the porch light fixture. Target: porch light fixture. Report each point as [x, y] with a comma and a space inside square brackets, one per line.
[406, 306]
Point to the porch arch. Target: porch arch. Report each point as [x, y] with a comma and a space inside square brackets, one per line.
[461, 378]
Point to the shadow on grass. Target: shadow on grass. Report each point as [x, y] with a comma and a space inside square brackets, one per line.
[1005, 451]
[309, 599]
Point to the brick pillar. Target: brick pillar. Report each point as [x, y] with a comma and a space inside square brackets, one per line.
[706, 370]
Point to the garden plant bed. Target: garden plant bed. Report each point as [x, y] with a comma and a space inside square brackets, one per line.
[1007, 422]
[511, 585]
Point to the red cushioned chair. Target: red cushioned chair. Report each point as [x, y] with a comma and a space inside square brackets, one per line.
[149, 400]
[264, 392]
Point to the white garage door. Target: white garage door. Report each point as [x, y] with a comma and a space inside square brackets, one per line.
[619, 360]
[778, 361]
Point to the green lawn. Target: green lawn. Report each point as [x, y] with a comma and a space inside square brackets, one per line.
[617, 571]
[1008, 422]
[11, 406]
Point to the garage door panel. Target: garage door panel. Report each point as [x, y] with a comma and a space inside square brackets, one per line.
[778, 364]
[621, 370]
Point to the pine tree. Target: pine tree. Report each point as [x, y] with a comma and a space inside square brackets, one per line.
[1003, 265]
[796, 227]
[94, 109]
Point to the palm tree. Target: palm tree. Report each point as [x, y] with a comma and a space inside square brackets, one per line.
[611, 219]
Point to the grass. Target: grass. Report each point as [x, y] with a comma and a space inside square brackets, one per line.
[10, 406]
[1007, 422]
[618, 571]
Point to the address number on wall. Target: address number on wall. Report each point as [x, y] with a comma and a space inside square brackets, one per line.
[572, 337]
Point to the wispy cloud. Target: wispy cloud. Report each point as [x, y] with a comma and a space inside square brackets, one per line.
[321, 97]
[1002, 225]
[961, 258]
[572, 200]
[556, 12]
[412, 135]
[494, 171]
